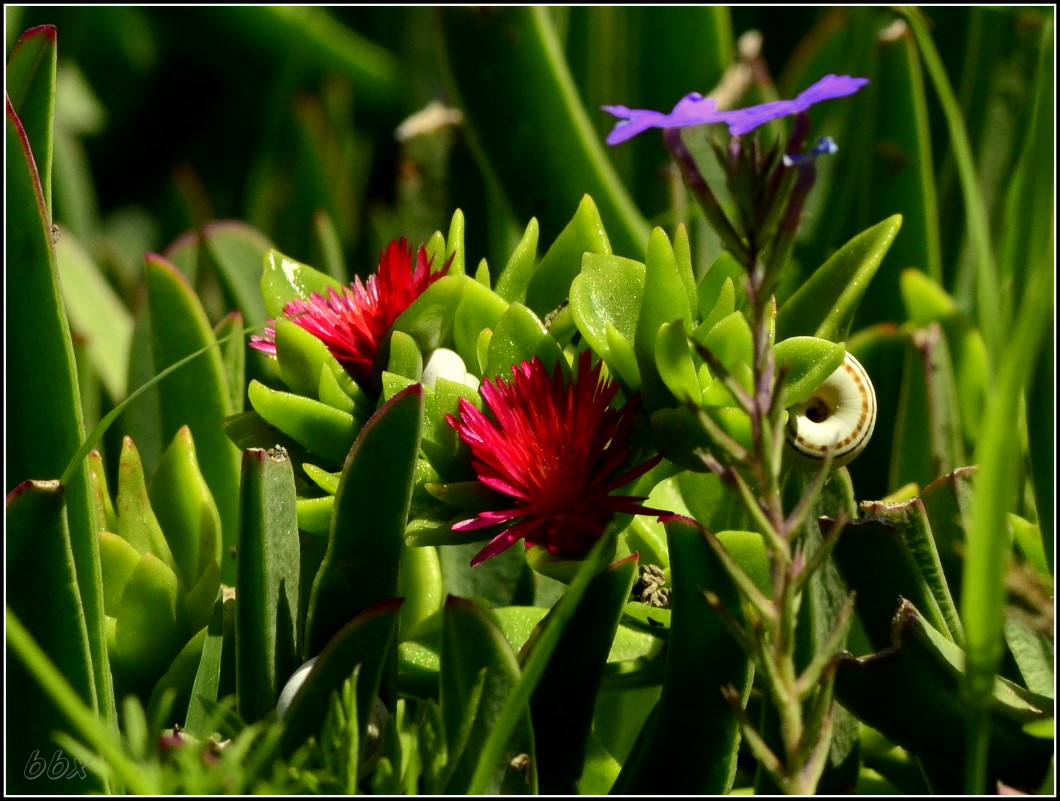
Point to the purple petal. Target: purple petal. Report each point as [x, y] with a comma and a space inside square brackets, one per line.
[747, 119]
[637, 120]
[830, 87]
[694, 109]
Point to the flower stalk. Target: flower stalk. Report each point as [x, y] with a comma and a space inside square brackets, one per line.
[768, 190]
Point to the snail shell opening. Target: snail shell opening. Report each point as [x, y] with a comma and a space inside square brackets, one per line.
[839, 417]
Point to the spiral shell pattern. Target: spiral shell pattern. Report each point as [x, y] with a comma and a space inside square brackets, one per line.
[839, 417]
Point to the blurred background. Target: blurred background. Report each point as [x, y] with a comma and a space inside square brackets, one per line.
[334, 131]
[170, 117]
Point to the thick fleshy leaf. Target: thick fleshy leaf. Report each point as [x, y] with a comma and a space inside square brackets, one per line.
[519, 336]
[508, 65]
[563, 703]
[42, 591]
[824, 305]
[513, 281]
[809, 362]
[606, 294]
[451, 313]
[118, 559]
[196, 395]
[30, 85]
[665, 301]
[179, 677]
[235, 251]
[673, 359]
[186, 511]
[691, 739]
[911, 692]
[320, 428]
[478, 671]
[301, 356]
[420, 584]
[45, 415]
[137, 523]
[550, 284]
[447, 453]
[360, 568]
[151, 626]
[888, 555]
[730, 340]
[285, 279]
[366, 641]
[268, 624]
[205, 687]
[405, 358]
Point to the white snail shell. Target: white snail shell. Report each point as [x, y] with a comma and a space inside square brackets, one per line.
[447, 364]
[839, 417]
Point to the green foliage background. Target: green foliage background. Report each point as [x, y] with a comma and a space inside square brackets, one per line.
[167, 120]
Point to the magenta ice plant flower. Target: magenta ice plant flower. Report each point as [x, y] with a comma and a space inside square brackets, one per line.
[694, 109]
[553, 451]
[354, 322]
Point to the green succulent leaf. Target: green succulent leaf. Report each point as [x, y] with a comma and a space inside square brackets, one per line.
[366, 641]
[268, 623]
[197, 395]
[518, 337]
[562, 705]
[550, 285]
[691, 740]
[137, 523]
[371, 509]
[47, 405]
[665, 301]
[607, 295]
[824, 305]
[118, 559]
[420, 584]
[285, 279]
[405, 358]
[513, 281]
[42, 590]
[151, 625]
[911, 693]
[320, 428]
[301, 357]
[809, 362]
[673, 357]
[478, 672]
[30, 84]
[186, 511]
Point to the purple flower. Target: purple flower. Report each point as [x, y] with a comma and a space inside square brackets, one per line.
[694, 109]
